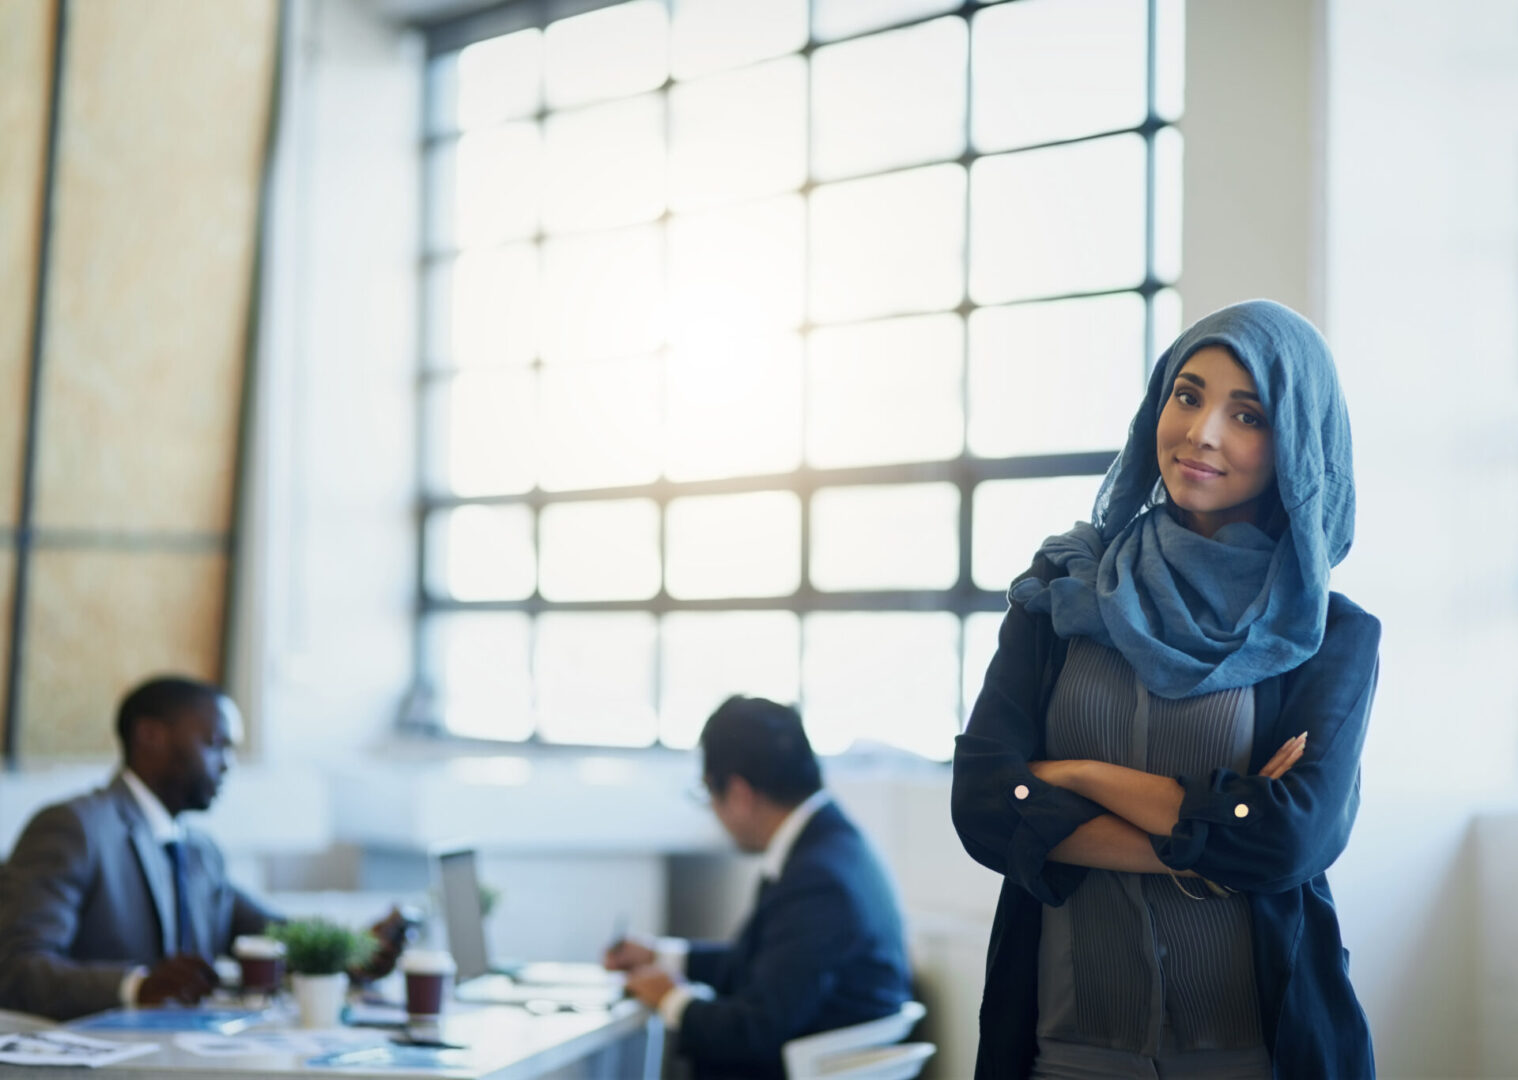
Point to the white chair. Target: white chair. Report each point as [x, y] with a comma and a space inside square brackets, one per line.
[869, 1051]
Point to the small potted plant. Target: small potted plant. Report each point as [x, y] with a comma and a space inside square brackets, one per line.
[319, 954]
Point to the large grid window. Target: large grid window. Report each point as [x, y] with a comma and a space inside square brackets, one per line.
[764, 340]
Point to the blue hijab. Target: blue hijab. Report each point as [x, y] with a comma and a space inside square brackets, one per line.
[1192, 614]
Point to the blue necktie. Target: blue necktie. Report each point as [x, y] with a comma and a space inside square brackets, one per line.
[185, 942]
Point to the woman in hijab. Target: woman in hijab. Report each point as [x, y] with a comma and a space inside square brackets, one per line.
[1164, 758]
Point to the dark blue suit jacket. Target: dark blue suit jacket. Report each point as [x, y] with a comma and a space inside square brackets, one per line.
[823, 949]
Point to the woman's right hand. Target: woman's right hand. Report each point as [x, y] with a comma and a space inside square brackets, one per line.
[1284, 758]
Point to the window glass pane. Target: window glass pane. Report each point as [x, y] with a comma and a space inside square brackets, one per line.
[734, 406]
[843, 18]
[888, 245]
[499, 182]
[885, 536]
[1049, 69]
[482, 428]
[603, 294]
[738, 135]
[707, 658]
[1013, 517]
[500, 79]
[1169, 58]
[600, 424]
[482, 553]
[606, 165]
[1168, 161]
[708, 35]
[981, 630]
[612, 52]
[633, 342]
[886, 391]
[1165, 324]
[867, 118]
[493, 309]
[481, 664]
[596, 679]
[1053, 378]
[881, 678]
[599, 550]
[1065, 219]
[736, 271]
[733, 545]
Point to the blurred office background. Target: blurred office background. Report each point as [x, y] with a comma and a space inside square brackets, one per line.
[484, 391]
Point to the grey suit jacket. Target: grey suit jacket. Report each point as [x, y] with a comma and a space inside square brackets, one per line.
[87, 895]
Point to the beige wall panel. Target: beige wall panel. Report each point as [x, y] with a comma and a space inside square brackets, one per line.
[164, 112]
[26, 45]
[100, 621]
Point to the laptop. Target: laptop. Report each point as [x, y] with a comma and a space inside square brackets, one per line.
[566, 985]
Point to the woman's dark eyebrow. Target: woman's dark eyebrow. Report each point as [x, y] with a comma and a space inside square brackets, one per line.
[1201, 383]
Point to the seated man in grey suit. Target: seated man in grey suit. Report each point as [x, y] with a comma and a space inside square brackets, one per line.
[823, 947]
[108, 899]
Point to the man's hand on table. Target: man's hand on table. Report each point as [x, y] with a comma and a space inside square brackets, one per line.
[629, 954]
[650, 983]
[184, 979]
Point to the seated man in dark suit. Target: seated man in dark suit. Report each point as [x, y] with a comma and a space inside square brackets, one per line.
[108, 899]
[823, 947]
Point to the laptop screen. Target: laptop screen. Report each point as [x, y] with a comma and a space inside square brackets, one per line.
[462, 916]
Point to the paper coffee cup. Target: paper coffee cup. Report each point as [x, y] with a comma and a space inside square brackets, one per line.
[428, 972]
[262, 960]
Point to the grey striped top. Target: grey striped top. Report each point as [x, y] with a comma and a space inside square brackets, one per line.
[1129, 962]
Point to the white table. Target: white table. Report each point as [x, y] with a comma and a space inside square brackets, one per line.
[504, 1043]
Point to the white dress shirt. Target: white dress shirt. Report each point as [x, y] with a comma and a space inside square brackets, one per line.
[164, 829]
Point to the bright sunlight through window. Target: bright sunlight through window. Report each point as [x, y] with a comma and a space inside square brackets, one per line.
[764, 341]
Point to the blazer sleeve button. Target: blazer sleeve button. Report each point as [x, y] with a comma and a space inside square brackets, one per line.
[1241, 811]
[1020, 792]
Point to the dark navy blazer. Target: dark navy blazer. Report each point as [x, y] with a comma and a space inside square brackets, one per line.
[823, 949]
[1270, 839]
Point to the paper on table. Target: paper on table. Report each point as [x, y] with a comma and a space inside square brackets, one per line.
[558, 973]
[259, 1043]
[171, 1018]
[66, 1048]
[395, 1056]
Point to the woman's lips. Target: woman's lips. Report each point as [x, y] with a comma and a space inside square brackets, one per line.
[1195, 470]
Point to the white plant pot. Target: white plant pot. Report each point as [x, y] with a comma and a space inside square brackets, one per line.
[320, 999]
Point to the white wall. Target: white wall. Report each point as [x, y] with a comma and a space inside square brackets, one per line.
[1422, 250]
[324, 654]
[1423, 314]
[1252, 216]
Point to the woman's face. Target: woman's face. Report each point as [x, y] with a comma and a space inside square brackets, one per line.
[1216, 452]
